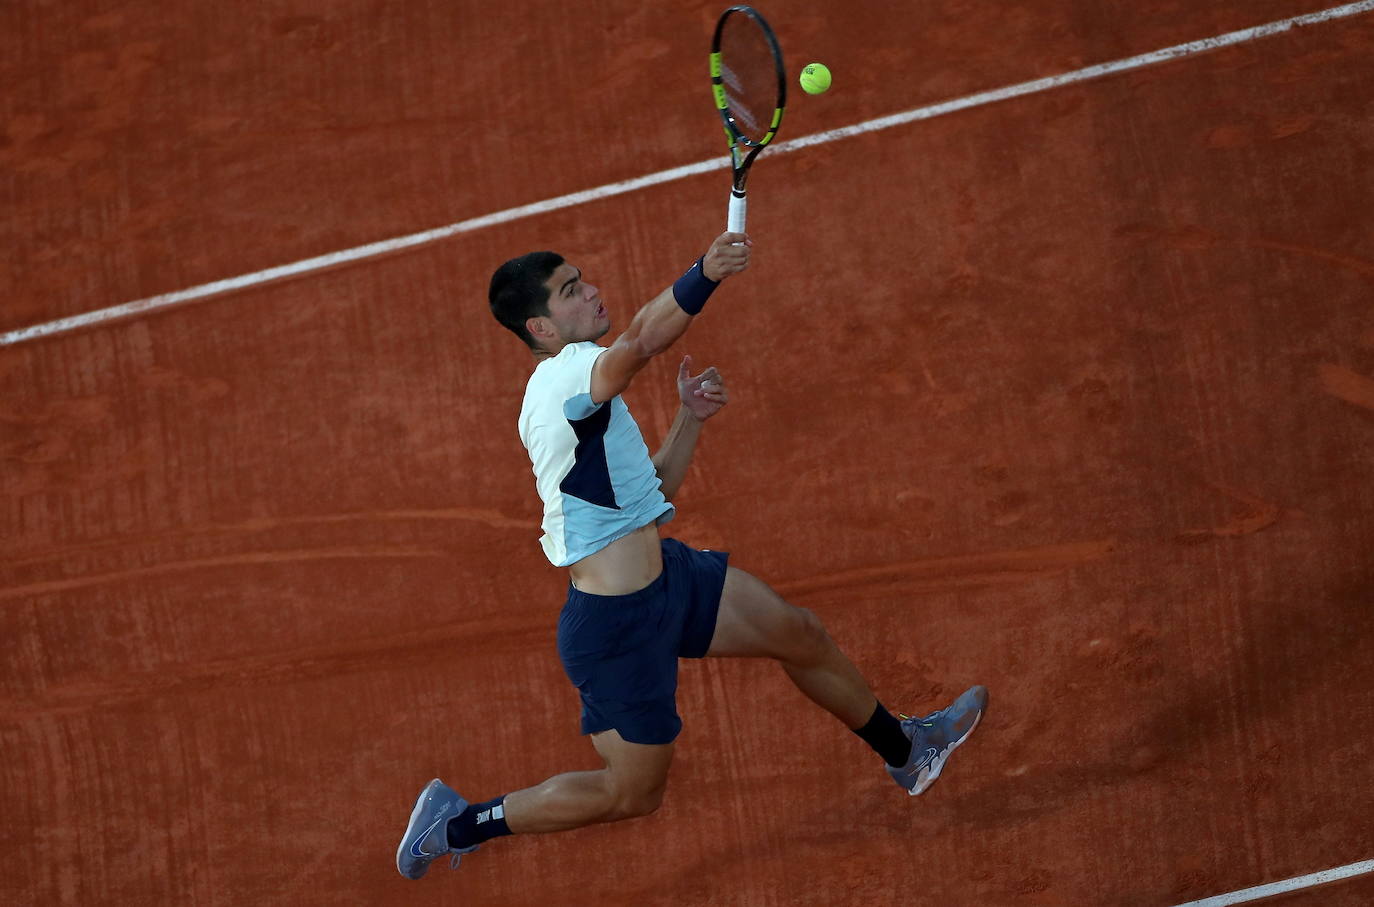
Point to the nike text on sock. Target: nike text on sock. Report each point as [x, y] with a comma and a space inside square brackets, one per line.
[479, 822]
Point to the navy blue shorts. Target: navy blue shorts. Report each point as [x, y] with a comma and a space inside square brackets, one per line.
[621, 651]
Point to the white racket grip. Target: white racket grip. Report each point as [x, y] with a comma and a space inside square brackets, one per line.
[734, 221]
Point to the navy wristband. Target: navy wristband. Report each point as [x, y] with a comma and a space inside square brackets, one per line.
[693, 289]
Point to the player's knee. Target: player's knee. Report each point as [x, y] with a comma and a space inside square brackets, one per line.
[633, 805]
[808, 634]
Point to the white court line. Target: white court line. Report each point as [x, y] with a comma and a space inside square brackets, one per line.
[1273, 888]
[371, 250]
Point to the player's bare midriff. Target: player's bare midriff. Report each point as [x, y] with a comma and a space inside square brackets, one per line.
[626, 565]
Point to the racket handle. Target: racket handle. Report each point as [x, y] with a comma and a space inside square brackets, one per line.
[734, 222]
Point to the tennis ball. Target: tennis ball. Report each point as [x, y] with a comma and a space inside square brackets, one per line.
[815, 78]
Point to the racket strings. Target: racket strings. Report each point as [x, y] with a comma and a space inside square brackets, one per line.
[749, 77]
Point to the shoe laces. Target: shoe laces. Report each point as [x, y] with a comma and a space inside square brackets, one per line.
[458, 855]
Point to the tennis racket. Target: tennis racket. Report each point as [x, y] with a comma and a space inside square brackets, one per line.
[750, 87]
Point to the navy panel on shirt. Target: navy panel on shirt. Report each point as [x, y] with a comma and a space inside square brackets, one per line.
[590, 476]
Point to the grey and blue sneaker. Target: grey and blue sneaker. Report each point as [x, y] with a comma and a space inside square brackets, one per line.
[426, 837]
[935, 736]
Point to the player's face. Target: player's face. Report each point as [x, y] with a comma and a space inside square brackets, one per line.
[575, 306]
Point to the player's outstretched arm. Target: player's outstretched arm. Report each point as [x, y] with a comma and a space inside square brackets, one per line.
[658, 325]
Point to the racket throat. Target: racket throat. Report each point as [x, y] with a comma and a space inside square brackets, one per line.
[740, 169]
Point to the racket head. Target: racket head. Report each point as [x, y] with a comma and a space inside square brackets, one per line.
[748, 80]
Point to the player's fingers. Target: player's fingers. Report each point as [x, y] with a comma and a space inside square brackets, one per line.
[734, 253]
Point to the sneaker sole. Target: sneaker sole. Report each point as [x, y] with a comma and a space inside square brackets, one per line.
[927, 775]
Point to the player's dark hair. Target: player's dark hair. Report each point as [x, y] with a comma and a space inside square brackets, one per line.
[518, 293]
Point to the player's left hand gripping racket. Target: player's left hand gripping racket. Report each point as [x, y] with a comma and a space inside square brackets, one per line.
[750, 85]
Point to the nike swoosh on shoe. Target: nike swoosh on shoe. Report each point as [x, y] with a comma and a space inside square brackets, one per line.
[415, 850]
[931, 753]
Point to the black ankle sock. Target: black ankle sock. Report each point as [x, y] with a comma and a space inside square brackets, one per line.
[479, 822]
[884, 733]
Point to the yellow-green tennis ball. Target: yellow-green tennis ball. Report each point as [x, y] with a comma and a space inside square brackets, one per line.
[815, 78]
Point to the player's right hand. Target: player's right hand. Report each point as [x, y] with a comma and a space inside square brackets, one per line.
[728, 255]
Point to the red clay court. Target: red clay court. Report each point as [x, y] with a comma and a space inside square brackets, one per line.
[1069, 393]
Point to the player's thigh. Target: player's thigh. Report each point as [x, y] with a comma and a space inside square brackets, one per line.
[637, 771]
[756, 622]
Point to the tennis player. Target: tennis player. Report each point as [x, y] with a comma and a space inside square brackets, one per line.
[638, 602]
